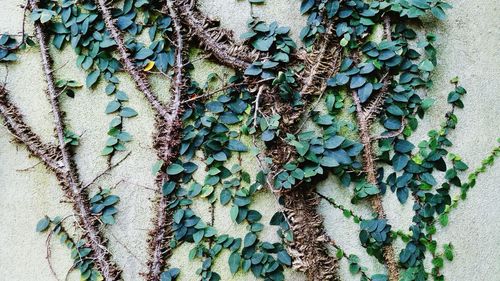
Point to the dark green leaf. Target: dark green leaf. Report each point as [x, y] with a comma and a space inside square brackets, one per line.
[234, 262]
[175, 169]
[92, 78]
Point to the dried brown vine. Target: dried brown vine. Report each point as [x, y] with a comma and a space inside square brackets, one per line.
[308, 248]
[166, 141]
[217, 41]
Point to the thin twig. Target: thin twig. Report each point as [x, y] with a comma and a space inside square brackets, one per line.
[107, 170]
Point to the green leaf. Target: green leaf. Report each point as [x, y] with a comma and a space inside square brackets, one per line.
[448, 251]
[175, 169]
[236, 145]
[395, 110]
[334, 142]
[249, 240]
[128, 112]
[215, 106]
[427, 103]
[438, 12]
[156, 167]
[234, 262]
[284, 258]
[357, 81]
[143, 54]
[225, 196]
[112, 106]
[399, 161]
[207, 190]
[438, 262]
[403, 146]
[107, 150]
[306, 6]
[365, 92]
[234, 212]
[263, 44]
[43, 224]
[198, 236]
[443, 219]
[329, 161]
[426, 65]
[178, 215]
[92, 78]
[339, 254]
[253, 70]
[168, 188]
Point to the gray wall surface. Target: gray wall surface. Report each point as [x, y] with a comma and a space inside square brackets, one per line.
[468, 47]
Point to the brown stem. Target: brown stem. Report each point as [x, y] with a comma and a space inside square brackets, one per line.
[140, 80]
[67, 175]
[49, 154]
[308, 248]
[320, 64]
[166, 143]
[217, 41]
[369, 166]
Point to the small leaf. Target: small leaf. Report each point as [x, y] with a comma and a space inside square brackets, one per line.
[149, 66]
[365, 92]
[143, 54]
[426, 65]
[234, 262]
[112, 106]
[234, 212]
[43, 224]
[357, 81]
[263, 44]
[249, 240]
[107, 150]
[175, 169]
[284, 258]
[156, 167]
[128, 112]
[92, 78]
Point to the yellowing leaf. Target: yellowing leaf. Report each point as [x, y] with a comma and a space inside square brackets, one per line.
[149, 66]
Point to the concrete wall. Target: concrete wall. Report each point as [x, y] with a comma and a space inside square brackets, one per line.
[468, 47]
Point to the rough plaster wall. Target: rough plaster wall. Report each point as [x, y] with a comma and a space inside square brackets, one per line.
[468, 47]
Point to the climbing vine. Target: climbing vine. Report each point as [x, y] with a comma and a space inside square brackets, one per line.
[303, 111]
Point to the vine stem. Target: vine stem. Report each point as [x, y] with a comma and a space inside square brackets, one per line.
[166, 142]
[217, 41]
[67, 174]
[140, 80]
[371, 176]
[49, 154]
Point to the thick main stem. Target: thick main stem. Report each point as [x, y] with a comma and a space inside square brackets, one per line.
[49, 154]
[166, 142]
[371, 176]
[217, 41]
[140, 81]
[309, 238]
[68, 175]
